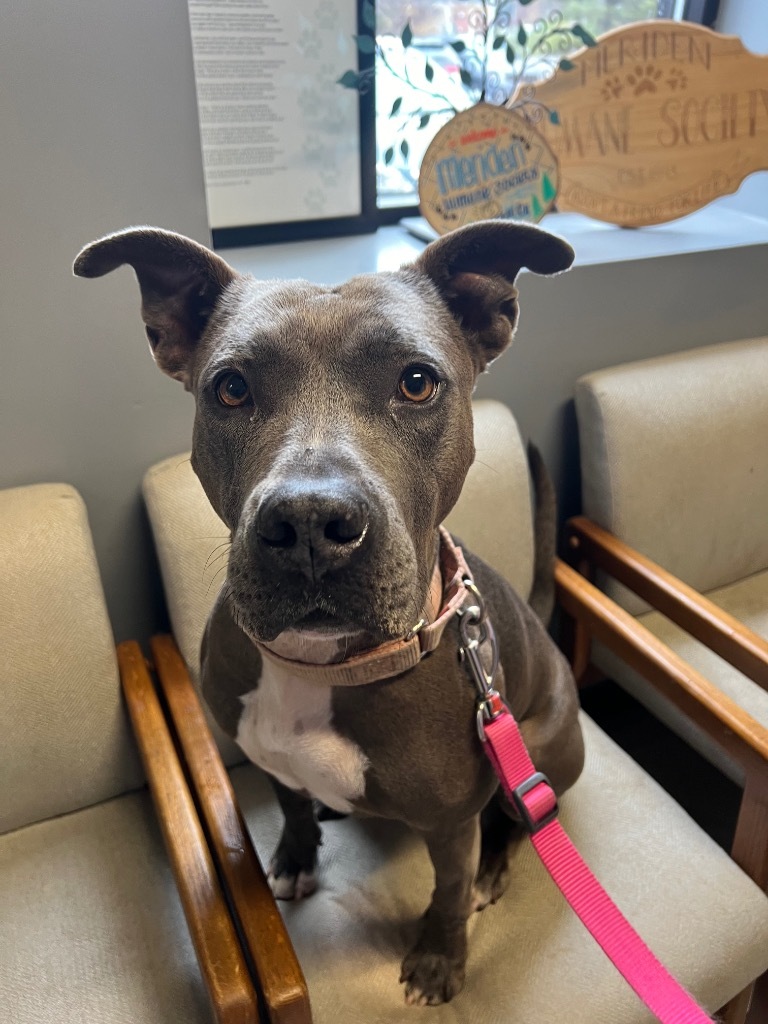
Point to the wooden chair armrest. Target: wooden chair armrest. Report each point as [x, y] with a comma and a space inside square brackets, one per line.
[737, 732]
[218, 950]
[268, 943]
[693, 612]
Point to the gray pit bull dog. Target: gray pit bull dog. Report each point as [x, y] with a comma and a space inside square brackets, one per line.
[333, 435]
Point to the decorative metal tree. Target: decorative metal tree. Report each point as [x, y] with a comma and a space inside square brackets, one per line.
[498, 34]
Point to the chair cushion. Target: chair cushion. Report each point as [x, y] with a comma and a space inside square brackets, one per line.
[530, 959]
[192, 541]
[64, 740]
[675, 462]
[91, 926]
[747, 601]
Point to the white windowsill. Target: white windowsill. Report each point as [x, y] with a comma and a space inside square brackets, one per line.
[332, 260]
[715, 227]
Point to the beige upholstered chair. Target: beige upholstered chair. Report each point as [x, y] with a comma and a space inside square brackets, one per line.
[91, 924]
[674, 455]
[530, 960]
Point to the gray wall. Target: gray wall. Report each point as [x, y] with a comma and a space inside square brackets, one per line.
[99, 130]
[603, 315]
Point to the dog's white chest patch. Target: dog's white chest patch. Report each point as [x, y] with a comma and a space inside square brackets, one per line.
[286, 729]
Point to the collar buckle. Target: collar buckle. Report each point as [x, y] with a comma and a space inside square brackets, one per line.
[476, 632]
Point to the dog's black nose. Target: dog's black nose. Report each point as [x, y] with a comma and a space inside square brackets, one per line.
[313, 526]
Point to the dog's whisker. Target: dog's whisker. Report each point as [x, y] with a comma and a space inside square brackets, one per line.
[487, 465]
[223, 554]
[215, 560]
[213, 579]
[214, 569]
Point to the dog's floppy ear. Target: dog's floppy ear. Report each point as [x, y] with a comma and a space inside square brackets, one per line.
[474, 269]
[180, 281]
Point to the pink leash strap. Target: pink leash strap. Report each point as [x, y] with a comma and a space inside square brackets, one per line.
[532, 795]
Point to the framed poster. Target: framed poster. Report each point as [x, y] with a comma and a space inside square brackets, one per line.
[285, 148]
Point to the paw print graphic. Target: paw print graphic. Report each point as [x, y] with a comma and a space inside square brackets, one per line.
[644, 79]
[328, 176]
[613, 88]
[311, 101]
[307, 41]
[314, 200]
[326, 15]
[312, 150]
[676, 79]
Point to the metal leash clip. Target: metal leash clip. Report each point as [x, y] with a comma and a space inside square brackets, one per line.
[475, 630]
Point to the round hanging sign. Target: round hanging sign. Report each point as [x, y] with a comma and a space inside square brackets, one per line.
[486, 162]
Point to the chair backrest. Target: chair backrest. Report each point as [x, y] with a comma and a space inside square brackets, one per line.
[674, 459]
[64, 738]
[493, 514]
[492, 517]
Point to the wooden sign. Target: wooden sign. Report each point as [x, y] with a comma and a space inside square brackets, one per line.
[657, 120]
[486, 162]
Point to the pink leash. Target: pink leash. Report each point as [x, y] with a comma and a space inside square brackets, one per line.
[531, 793]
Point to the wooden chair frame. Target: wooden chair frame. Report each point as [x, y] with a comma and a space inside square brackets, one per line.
[219, 952]
[193, 776]
[727, 724]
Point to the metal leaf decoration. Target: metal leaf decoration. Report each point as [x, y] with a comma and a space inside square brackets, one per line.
[531, 46]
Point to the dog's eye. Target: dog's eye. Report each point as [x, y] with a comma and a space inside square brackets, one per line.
[417, 384]
[232, 390]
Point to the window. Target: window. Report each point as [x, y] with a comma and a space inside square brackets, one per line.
[435, 57]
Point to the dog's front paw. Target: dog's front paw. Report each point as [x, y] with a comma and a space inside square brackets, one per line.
[291, 874]
[289, 877]
[291, 886]
[431, 978]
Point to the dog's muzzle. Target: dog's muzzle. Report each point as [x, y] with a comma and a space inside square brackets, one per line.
[324, 552]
